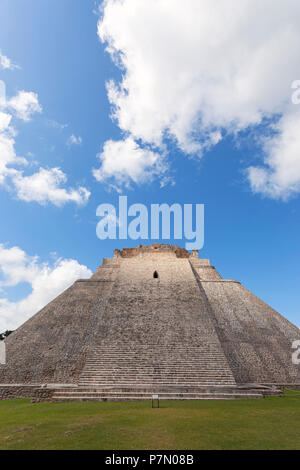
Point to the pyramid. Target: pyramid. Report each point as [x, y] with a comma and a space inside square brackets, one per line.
[152, 319]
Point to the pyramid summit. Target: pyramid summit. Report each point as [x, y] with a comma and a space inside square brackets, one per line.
[152, 319]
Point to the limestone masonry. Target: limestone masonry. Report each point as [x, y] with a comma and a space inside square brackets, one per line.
[153, 319]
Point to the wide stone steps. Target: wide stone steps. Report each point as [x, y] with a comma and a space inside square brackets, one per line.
[149, 363]
[156, 369]
[173, 366]
[139, 398]
[129, 392]
[156, 364]
[164, 361]
[148, 379]
[143, 395]
[169, 371]
[148, 389]
[132, 384]
[137, 394]
[157, 375]
[166, 377]
[142, 380]
[152, 382]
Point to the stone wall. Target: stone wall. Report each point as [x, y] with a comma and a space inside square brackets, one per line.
[8, 392]
[42, 395]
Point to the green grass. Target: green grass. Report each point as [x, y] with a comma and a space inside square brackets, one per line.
[271, 423]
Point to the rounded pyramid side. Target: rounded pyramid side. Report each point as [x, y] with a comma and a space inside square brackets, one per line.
[256, 339]
[51, 346]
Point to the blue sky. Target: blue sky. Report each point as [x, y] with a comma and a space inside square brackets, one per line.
[203, 148]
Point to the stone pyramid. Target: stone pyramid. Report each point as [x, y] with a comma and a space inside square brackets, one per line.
[151, 319]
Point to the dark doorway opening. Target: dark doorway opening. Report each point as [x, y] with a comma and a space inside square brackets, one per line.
[155, 275]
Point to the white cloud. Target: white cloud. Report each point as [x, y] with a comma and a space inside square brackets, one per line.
[24, 104]
[4, 121]
[202, 69]
[46, 281]
[45, 186]
[74, 140]
[280, 177]
[2, 94]
[125, 160]
[6, 63]
[56, 125]
[167, 180]
[7, 148]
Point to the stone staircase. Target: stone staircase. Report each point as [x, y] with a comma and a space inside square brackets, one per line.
[153, 365]
[137, 372]
[116, 373]
[83, 393]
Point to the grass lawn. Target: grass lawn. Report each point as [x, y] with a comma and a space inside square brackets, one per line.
[270, 423]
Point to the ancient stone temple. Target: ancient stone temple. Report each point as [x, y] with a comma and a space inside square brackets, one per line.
[153, 319]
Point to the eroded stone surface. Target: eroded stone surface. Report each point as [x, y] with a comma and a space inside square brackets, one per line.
[124, 326]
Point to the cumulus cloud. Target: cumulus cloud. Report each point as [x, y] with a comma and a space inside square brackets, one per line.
[44, 186]
[6, 63]
[124, 160]
[24, 105]
[46, 282]
[7, 148]
[280, 176]
[201, 70]
[74, 140]
[4, 121]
